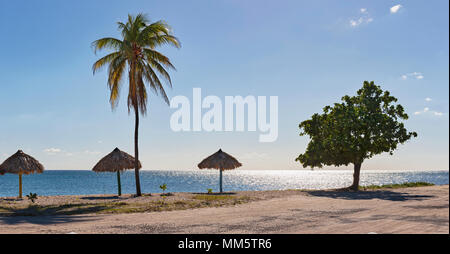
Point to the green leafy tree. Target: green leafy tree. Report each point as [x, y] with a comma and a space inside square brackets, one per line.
[134, 54]
[355, 130]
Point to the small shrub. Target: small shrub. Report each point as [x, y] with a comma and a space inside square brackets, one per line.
[163, 187]
[210, 191]
[395, 186]
[32, 197]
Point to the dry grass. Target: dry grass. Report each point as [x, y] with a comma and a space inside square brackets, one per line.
[395, 186]
[146, 203]
[110, 204]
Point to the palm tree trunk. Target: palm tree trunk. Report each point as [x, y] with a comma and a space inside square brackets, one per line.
[357, 169]
[136, 154]
[119, 186]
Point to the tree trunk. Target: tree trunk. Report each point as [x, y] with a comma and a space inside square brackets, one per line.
[357, 169]
[119, 186]
[136, 154]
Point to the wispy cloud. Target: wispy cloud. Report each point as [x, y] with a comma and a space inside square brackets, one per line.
[52, 151]
[395, 8]
[55, 151]
[91, 152]
[428, 99]
[428, 111]
[363, 18]
[416, 75]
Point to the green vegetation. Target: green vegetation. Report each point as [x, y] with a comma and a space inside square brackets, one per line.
[151, 203]
[355, 130]
[32, 197]
[136, 56]
[155, 205]
[210, 191]
[395, 186]
[163, 187]
[212, 197]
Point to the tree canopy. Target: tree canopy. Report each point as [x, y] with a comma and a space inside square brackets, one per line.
[356, 129]
[136, 54]
[136, 50]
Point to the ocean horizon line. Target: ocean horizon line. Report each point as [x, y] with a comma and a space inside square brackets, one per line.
[317, 169]
[82, 182]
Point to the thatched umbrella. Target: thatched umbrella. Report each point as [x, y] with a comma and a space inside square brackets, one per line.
[116, 161]
[221, 161]
[21, 163]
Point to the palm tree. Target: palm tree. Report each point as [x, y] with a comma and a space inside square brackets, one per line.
[136, 54]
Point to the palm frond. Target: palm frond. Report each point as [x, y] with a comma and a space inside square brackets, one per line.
[159, 40]
[116, 71]
[162, 72]
[100, 63]
[152, 78]
[123, 28]
[108, 42]
[155, 55]
[158, 33]
[136, 54]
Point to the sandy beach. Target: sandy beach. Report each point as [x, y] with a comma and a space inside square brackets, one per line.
[406, 210]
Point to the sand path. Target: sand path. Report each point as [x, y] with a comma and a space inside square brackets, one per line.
[409, 210]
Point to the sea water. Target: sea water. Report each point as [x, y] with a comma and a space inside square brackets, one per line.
[82, 182]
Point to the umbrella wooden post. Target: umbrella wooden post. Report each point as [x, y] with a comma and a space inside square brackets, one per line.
[221, 181]
[19, 164]
[20, 185]
[119, 187]
[116, 162]
[221, 161]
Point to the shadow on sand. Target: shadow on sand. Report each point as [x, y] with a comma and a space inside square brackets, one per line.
[48, 214]
[44, 220]
[214, 193]
[102, 198]
[366, 195]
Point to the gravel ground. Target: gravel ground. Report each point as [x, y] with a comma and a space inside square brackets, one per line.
[408, 210]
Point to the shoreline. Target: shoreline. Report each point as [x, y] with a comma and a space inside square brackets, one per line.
[84, 182]
[363, 188]
[292, 169]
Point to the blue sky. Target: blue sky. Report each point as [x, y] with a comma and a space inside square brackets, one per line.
[308, 53]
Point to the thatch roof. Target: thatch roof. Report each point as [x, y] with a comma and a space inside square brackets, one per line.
[220, 160]
[115, 161]
[21, 163]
